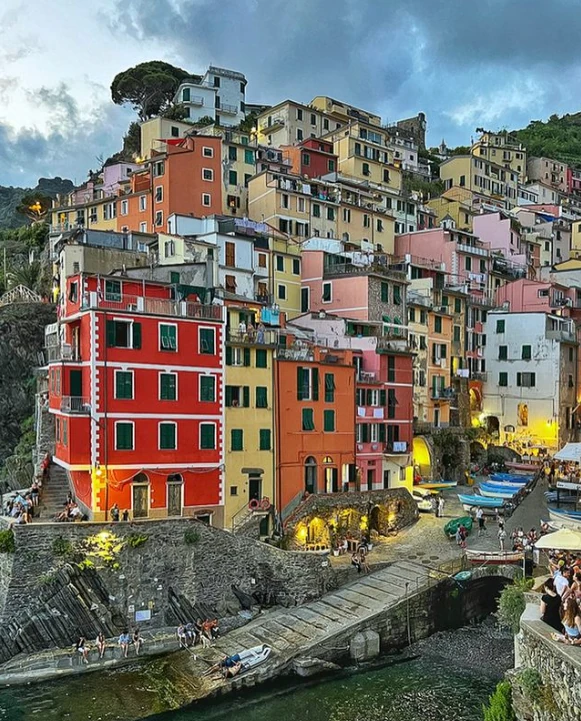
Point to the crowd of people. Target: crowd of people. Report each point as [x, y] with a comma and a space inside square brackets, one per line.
[124, 641]
[561, 600]
[202, 632]
[568, 471]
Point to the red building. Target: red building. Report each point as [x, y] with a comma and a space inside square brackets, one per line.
[312, 158]
[135, 385]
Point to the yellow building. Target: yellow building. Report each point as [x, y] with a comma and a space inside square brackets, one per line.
[482, 177]
[343, 112]
[575, 239]
[286, 272]
[96, 214]
[502, 149]
[456, 204]
[156, 131]
[249, 418]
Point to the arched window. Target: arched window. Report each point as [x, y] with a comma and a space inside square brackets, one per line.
[310, 475]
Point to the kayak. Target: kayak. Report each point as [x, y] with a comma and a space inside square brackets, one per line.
[475, 501]
[506, 485]
[452, 526]
[493, 558]
[254, 656]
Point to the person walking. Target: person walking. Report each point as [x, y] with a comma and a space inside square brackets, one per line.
[501, 536]
[480, 519]
[440, 506]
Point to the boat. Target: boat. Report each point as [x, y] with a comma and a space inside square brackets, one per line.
[494, 558]
[436, 485]
[566, 518]
[492, 492]
[473, 501]
[506, 485]
[254, 656]
[452, 526]
[511, 478]
[534, 467]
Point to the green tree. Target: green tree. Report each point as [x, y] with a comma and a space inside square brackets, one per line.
[148, 87]
[512, 603]
[178, 111]
[500, 704]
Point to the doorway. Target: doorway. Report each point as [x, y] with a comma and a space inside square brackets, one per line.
[331, 480]
[370, 478]
[140, 496]
[76, 383]
[386, 475]
[175, 487]
[436, 417]
[311, 475]
[254, 488]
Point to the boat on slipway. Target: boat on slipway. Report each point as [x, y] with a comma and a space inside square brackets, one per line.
[436, 485]
[511, 478]
[568, 519]
[494, 492]
[493, 558]
[473, 501]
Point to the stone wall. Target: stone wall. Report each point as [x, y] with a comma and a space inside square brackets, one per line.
[556, 668]
[67, 579]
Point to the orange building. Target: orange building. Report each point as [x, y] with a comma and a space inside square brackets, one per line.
[315, 428]
[185, 179]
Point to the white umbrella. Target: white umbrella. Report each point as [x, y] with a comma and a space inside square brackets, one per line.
[569, 452]
[563, 540]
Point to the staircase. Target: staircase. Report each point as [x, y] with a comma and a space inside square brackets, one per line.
[53, 495]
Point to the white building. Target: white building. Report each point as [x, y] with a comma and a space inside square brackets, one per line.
[220, 95]
[530, 395]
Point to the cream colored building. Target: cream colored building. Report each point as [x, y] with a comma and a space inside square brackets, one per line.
[290, 122]
[156, 131]
[549, 172]
[502, 149]
[482, 177]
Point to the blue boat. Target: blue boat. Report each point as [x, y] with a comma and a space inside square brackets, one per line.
[493, 492]
[511, 478]
[506, 485]
[473, 501]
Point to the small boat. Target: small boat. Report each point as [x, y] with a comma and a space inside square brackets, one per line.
[521, 466]
[452, 526]
[511, 478]
[254, 656]
[565, 518]
[506, 485]
[436, 485]
[492, 492]
[494, 558]
[475, 501]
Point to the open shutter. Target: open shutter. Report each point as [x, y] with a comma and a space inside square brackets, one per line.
[246, 397]
[368, 397]
[381, 435]
[228, 396]
[137, 335]
[519, 379]
[382, 398]
[228, 355]
[110, 333]
[315, 377]
[247, 356]
[299, 383]
[365, 433]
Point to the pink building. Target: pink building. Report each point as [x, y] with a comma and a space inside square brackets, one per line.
[500, 232]
[533, 296]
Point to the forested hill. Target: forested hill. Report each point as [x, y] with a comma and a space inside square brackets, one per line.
[558, 138]
[10, 198]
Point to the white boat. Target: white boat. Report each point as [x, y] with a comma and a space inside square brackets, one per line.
[493, 558]
[254, 656]
[564, 519]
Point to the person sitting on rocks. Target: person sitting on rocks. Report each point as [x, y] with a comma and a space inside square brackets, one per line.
[82, 648]
[137, 641]
[182, 636]
[231, 671]
[124, 641]
[101, 643]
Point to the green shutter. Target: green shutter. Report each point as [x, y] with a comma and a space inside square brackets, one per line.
[137, 335]
[207, 388]
[246, 397]
[168, 387]
[228, 355]
[207, 436]
[381, 433]
[124, 433]
[299, 383]
[237, 439]
[308, 422]
[261, 358]
[329, 421]
[384, 293]
[124, 385]
[315, 377]
[329, 388]
[247, 356]
[519, 379]
[397, 294]
[228, 396]
[167, 337]
[364, 433]
[174, 277]
[111, 334]
[261, 397]
[207, 341]
[167, 436]
[264, 439]
[382, 397]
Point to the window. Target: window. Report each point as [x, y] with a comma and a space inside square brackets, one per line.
[330, 213]
[158, 168]
[124, 207]
[316, 210]
[159, 194]
[207, 389]
[526, 352]
[123, 334]
[346, 215]
[207, 341]
[299, 114]
[113, 290]
[462, 180]
[206, 200]
[503, 379]
[280, 263]
[525, 380]
[502, 352]
[391, 402]
[168, 387]
[236, 439]
[264, 443]
[329, 388]
[207, 174]
[124, 385]
[168, 337]
[207, 152]
[305, 300]
[237, 397]
[329, 421]
[379, 225]
[308, 420]
[327, 292]
[123, 436]
[232, 152]
[167, 436]
[261, 358]
[232, 177]
[247, 177]
[500, 326]
[230, 260]
[365, 169]
[159, 218]
[261, 397]
[437, 324]
[186, 95]
[299, 134]
[331, 166]
[216, 81]
[384, 292]
[262, 260]
[456, 336]
[390, 369]
[307, 384]
[570, 381]
[281, 292]
[397, 294]
[482, 265]
[412, 315]
[249, 157]
[143, 227]
[207, 436]
[366, 221]
[468, 263]
[296, 266]
[385, 175]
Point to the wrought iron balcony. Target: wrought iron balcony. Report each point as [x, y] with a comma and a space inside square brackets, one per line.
[75, 404]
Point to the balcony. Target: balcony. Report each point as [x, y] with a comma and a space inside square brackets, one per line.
[377, 266]
[75, 404]
[396, 447]
[151, 306]
[270, 127]
[563, 336]
[367, 377]
[295, 354]
[442, 394]
[479, 376]
[253, 338]
[63, 352]
[228, 109]
[196, 100]
[472, 250]
[416, 298]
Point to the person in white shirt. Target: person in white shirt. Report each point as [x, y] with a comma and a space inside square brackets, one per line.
[562, 579]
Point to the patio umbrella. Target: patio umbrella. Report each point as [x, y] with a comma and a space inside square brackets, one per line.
[563, 540]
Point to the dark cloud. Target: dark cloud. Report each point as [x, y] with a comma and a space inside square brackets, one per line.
[492, 62]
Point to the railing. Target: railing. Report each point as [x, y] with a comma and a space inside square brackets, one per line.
[228, 109]
[393, 341]
[564, 336]
[418, 298]
[253, 337]
[291, 506]
[62, 352]
[351, 269]
[75, 404]
[367, 377]
[484, 300]
[152, 306]
[442, 394]
[303, 354]
[422, 428]
[274, 124]
[196, 100]
[479, 376]
[463, 248]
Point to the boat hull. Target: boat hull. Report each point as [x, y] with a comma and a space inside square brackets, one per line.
[565, 519]
[254, 656]
[437, 485]
[511, 478]
[532, 467]
[506, 485]
[493, 558]
[489, 492]
[475, 501]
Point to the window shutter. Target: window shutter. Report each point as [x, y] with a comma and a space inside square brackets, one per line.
[519, 379]
[228, 355]
[315, 379]
[299, 383]
[365, 433]
[247, 356]
[137, 335]
[381, 435]
[111, 333]
[382, 398]
[246, 397]
[228, 396]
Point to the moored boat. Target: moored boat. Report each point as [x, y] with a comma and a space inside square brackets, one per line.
[506, 485]
[254, 656]
[516, 466]
[436, 485]
[452, 526]
[493, 492]
[473, 501]
[568, 519]
[494, 558]
[511, 478]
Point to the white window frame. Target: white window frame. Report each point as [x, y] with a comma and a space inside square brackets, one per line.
[278, 287]
[207, 152]
[209, 198]
[133, 434]
[129, 333]
[374, 398]
[237, 355]
[206, 327]
[158, 218]
[175, 325]
[208, 423]
[359, 432]
[211, 172]
[330, 284]
[143, 227]
[121, 370]
[301, 205]
[142, 203]
[159, 188]
[374, 432]
[124, 207]
[168, 423]
[166, 373]
[207, 375]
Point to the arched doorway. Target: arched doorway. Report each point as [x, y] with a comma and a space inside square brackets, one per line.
[175, 494]
[140, 496]
[331, 476]
[422, 458]
[311, 475]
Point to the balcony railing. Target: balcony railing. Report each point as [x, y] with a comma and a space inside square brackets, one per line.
[463, 248]
[303, 354]
[564, 336]
[442, 394]
[253, 337]
[367, 377]
[196, 100]
[351, 269]
[152, 306]
[479, 376]
[228, 109]
[62, 352]
[75, 404]
[275, 124]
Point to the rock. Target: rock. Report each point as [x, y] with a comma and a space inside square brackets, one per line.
[306, 667]
[364, 646]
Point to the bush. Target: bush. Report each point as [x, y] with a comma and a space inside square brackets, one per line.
[136, 539]
[512, 603]
[191, 536]
[531, 683]
[62, 547]
[7, 544]
[500, 704]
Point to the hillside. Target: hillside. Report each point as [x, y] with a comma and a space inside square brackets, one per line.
[558, 138]
[10, 197]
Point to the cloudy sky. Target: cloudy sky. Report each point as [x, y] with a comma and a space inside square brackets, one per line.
[466, 64]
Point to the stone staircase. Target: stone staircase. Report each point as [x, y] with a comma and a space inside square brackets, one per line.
[54, 493]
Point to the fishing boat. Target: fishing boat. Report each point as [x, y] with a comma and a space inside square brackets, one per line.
[494, 558]
[254, 656]
[473, 501]
[568, 519]
[506, 485]
[516, 466]
[511, 478]
[436, 485]
[452, 526]
[493, 492]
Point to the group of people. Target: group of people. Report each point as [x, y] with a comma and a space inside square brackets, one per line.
[204, 632]
[71, 511]
[125, 640]
[20, 509]
[116, 515]
[561, 600]
[248, 333]
[562, 471]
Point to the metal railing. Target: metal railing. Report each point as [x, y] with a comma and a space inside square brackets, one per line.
[442, 393]
[151, 306]
[228, 109]
[303, 354]
[253, 337]
[64, 352]
[567, 336]
[479, 376]
[473, 250]
[75, 404]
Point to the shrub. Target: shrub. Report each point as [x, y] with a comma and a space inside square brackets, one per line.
[532, 683]
[62, 547]
[136, 539]
[7, 544]
[500, 704]
[191, 536]
[512, 603]
[85, 564]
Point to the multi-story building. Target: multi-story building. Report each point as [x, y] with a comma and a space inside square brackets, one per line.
[502, 149]
[573, 181]
[315, 429]
[290, 122]
[343, 112]
[484, 178]
[312, 158]
[454, 207]
[553, 173]
[135, 386]
[220, 94]
[157, 132]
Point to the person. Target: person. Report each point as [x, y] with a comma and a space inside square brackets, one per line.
[191, 633]
[242, 330]
[34, 493]
[182, 637]
[562, 579]
[206, 634]
[344, 547]
[82, 649]
[250, 331]
[214, 629]
[572, 621]
[544, 528]
[124, 641]
[101, 643]
[260, 333]
[363, 560]
[501, 536]
[137, 641]
[480, 519]
[225, 662]
[356, 562]
[551, 606]
[198, 630]
[114, 512]
[231, 671]
[126, 514]
[441, 503]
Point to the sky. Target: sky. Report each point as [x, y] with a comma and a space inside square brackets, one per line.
[466, 64]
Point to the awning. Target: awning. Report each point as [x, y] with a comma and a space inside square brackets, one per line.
[563, 540]
[569, 452]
